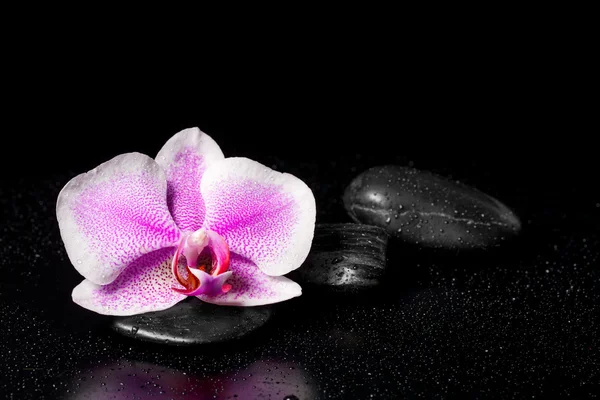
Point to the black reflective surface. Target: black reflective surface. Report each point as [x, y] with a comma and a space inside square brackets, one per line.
[519, 321]
[508, 110]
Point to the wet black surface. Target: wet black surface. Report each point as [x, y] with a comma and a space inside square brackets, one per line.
[518, 322]
[501, 106]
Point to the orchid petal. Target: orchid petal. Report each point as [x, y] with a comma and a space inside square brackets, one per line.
[146, 285]
[184, 158]
[114, 214]
[264, 215]
[251, 287]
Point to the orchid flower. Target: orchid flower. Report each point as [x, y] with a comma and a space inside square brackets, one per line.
[146, 233]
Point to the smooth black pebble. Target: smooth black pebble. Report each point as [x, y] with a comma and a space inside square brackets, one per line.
[427, 209]
[193, 322]
[345, 257]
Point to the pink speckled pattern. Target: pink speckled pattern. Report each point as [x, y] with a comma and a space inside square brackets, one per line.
[184, 158]
[251, 287]
[114, 214]
[143, 287]
[265, 216]
[121, 224]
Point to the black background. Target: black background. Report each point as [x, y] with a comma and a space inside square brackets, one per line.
[507, 112]
[511, 98]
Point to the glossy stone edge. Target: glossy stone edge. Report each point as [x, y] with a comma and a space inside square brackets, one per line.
[264, 313]
[343, 248]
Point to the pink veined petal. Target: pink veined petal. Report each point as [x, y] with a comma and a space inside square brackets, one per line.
[264, 215]
[114, 214]
[184, 158]
[143, 287]
[251, 287]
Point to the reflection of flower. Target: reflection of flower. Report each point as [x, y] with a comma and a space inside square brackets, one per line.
[128, 225]
[139, 380]
[270, 379]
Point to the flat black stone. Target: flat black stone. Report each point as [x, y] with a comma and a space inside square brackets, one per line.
[193, 322]
[427, 209]
[345, 257]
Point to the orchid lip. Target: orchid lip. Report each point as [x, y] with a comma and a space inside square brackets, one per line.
[207, 261]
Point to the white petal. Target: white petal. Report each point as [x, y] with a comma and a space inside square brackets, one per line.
[114, 214]
[264, 215]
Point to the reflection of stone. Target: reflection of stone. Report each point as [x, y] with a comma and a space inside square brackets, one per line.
[345, 257]
[140, 380]
[193, 322]
[427, 209]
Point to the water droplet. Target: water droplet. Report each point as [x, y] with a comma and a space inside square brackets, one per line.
[79, 261]
[337, 260]
[134, 330]
[387, 221]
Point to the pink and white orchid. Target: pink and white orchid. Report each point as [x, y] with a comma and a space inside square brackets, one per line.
[148, 233]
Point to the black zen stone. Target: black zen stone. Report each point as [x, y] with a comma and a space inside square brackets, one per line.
[345, 257]
[193, 322]
[427, 209]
